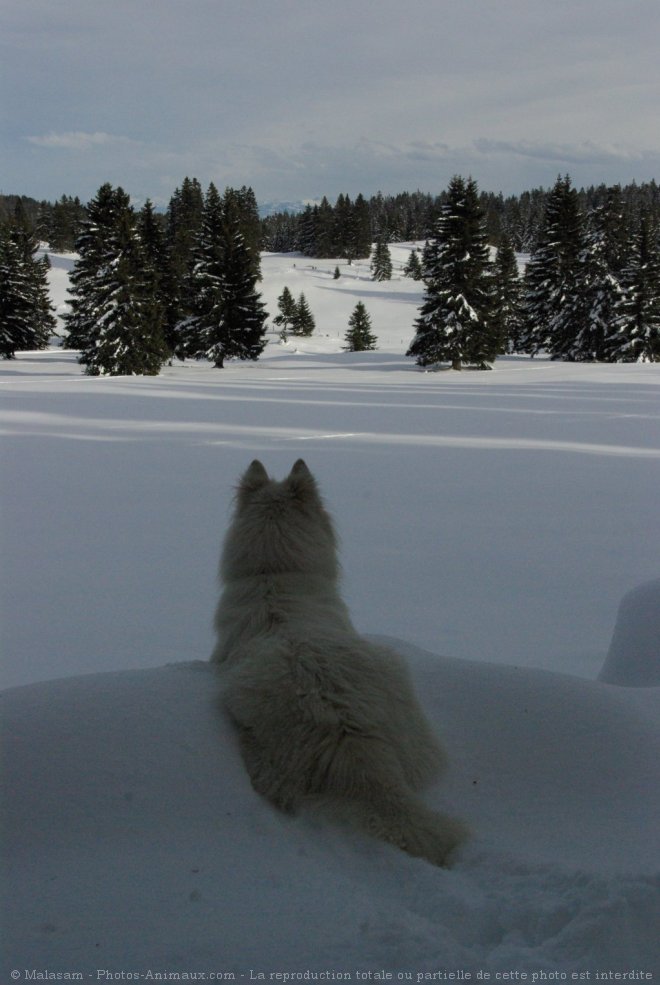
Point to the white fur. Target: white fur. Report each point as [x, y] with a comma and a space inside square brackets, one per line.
[324, 717]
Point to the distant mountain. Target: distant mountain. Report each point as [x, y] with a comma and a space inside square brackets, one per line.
[272, 208]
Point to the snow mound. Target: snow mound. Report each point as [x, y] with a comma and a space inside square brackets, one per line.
[134, 841]
[633, 658]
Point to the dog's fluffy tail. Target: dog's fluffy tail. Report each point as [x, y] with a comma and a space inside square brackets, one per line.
[404, 821]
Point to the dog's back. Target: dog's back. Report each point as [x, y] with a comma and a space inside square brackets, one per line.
[323, 716]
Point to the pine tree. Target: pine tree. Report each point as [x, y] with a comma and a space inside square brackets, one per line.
[241, 210]
[156, 270]
[381, 263]
[323, 233]
[636, 335]
[303, 322]
[287, 312]
[43, 323]
[551, 274]
[130, 341]
[306, 239]
[35, 269]
[359, 337]
[183, 222]
[341, 227]
[97, 250]
[280, 232]
[454, 322]
[26, 320]
[614, 228]
[507, 311]
[60, 223]
[115, 318]
[413, 267]
[151, 234]
[591, 308]
[229, 318]
[357, 244]
[15, 307]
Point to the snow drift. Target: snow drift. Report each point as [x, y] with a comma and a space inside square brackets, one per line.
[135, 841]
[634, 654]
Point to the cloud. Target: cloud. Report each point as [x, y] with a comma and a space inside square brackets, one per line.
[78, 140]
[587, 152]
[286, 98]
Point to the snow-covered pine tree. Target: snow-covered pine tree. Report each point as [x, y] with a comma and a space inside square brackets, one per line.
[14, 299]
[590, 309]
[507, 311]
[26, 320]
[381, 261]
[229, 318]
[341, 227]
[359, 337]
[115, 319]
[286, 304]
[351, 228]
[306, 238]
[241, 210]
[614, 224]
[280, 232]
[34, 272]
[156, 271]
[128, 339]
[60, 223]
[194, 331]
[429, 255]
[551, 274]
[324, 229]
[413, 267]
[303, 321]
[183, 222]
[359, 237]
[44, 323]
[636, 335]
[454, 324]
[151, 235]
[97, 250]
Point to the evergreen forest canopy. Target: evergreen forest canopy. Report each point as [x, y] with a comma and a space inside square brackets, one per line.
[338, 228]
[149, 286]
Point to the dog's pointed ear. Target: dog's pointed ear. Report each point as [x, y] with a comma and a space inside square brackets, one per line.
[301, 481]
[253, 478]
[299, 468]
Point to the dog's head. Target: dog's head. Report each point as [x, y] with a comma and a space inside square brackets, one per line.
[279, 527]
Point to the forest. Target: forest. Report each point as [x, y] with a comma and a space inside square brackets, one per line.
[149, 286]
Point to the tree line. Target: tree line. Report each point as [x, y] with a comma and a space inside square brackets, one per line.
[147, 287]
[590, 291]
[349, 226]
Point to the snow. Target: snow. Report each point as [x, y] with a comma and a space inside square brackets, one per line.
[633, 658]
[142, 845]
[490, 525]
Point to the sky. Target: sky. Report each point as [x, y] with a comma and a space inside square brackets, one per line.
[305, 98]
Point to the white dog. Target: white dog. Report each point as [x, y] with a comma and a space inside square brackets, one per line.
[324, 717]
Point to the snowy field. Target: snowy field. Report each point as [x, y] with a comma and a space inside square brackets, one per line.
[491, 523]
